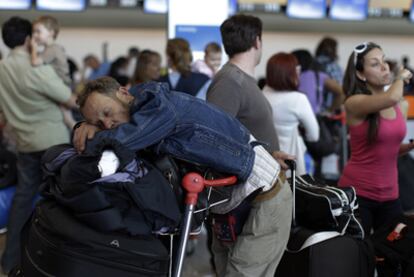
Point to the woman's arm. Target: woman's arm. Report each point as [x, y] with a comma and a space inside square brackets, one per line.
[360, 105]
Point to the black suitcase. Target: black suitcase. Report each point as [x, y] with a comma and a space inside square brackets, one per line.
[69, 248]
[341, 256]
[312, 254]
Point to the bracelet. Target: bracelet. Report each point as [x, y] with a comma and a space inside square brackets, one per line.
[77, 125]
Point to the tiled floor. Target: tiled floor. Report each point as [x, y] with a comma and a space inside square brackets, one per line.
[196, 265]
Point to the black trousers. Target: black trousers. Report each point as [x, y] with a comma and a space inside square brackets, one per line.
[375, 214]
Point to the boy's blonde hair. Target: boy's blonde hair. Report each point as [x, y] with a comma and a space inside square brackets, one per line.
[212, 47]
[49, 22]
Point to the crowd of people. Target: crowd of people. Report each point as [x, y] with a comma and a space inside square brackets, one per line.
[38, 92]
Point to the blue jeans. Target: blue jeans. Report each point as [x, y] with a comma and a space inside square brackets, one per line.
[29, 176]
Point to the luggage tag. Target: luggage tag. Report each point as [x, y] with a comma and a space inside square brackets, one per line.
[396, 233]
[224, 227]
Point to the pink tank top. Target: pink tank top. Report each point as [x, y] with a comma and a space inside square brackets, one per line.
[372, 169]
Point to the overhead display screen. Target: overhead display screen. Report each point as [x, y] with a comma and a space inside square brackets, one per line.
[15, 4]
[60, 5]
[306, 9]
[155, 6]
[412, 12]
[349, 10]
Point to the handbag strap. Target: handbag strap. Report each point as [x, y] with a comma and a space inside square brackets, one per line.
[318, 87]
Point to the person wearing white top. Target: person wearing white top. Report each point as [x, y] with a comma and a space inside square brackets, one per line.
[290, 107]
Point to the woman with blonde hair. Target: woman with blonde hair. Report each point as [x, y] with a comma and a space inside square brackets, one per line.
[180, 77]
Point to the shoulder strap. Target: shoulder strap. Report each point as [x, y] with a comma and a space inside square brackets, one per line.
[318, 87]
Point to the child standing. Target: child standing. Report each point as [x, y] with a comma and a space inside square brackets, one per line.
[212, 60]
[45, 31]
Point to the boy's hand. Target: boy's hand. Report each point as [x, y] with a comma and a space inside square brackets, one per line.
[33, 45]
[84, 132]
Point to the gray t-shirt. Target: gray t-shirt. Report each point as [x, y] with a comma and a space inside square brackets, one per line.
[54, 55]
[237, 93]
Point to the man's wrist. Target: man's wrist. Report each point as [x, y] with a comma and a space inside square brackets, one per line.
[78, 124]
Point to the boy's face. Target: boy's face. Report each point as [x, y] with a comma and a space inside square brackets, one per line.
[41, 34]
[213, 60]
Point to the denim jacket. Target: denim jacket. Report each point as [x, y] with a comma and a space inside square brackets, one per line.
[186, 127]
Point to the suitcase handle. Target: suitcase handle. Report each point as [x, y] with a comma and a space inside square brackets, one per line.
[292, 167]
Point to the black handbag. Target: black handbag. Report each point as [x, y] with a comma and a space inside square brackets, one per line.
[326, 144]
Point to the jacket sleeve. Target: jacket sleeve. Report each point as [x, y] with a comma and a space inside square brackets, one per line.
[152, 119]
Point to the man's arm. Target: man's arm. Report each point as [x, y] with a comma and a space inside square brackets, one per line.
[45, 81]
[82, 132]
[152, 120]
[71, 102]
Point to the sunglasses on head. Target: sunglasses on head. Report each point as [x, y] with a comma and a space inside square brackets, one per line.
[360, 48]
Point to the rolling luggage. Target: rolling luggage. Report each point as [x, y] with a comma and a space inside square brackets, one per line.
[316, 253]
[54, 243]
[59, 241]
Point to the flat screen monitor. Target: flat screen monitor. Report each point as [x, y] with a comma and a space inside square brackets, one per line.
[61, 5]
[15, 4]
[161, 6]
[306, 9]
[98, 3]
[412, 12]
[155, 6]
[349, 10]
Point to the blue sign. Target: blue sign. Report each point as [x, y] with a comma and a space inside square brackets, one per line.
[198, 36]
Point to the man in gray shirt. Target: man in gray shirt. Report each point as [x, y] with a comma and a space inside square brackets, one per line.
[261, 243]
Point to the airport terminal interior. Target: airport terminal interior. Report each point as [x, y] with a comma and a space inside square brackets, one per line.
[124, 123]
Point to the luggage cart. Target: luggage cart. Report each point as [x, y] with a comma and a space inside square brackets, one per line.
[194, 183]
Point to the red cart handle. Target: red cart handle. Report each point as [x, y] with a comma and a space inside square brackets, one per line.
[194, 183]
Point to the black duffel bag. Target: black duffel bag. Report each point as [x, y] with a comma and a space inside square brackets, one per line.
[54, 243]
[326, 208]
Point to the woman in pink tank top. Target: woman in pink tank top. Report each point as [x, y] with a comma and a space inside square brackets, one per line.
[377, 128]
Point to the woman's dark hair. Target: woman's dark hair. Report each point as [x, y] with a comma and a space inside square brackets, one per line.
[304, 58]
[327, 47]
[352, 85]
[281, 74]
[15, 31]
[115, 70]
[179, 54]
[239, 33]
